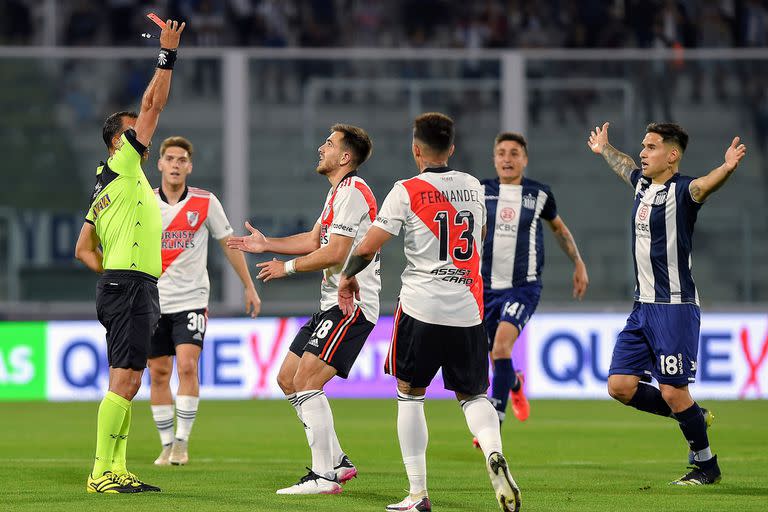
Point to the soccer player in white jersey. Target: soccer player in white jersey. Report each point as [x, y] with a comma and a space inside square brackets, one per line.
[661, 338]
[513, 258]
[189, 216]
[328, 344]
[439, 319]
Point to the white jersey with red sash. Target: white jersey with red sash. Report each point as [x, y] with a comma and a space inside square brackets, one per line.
[184, 283]
[443, 214]
[350, 210]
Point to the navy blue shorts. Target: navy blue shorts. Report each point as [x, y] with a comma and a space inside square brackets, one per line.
[660, 340]
[513, 305]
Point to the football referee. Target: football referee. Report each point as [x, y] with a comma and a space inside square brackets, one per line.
[125, 220]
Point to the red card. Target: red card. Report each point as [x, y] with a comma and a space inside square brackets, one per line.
[160, 23]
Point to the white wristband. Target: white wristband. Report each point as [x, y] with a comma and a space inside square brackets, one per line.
[290, 267]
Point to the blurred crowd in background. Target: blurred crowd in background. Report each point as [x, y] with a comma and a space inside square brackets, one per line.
[399, 23]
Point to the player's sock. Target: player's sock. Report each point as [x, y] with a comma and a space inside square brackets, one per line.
[413, 435]
[186, 412]
[337, 453]
[121, 446]
[483, 423]
[163, 416]
[503, 378]
[294, 402]
[516, 382]
[694, 429]
[648, 398]
[112, 411]
[318, 421]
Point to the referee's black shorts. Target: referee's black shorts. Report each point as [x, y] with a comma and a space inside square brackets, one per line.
[128, 306]
[419, 349]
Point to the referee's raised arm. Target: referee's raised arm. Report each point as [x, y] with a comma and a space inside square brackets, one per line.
[156, 95]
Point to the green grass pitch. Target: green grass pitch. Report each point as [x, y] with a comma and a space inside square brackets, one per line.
[569, 456]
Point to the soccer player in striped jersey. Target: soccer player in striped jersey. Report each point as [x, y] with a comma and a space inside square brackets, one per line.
[328, 344]
[189, 215]
[439, 320]
[661, 338]
[513, 257]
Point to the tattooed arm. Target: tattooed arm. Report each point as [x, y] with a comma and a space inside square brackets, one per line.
[701, 188]
[622, 164]
[568, 245]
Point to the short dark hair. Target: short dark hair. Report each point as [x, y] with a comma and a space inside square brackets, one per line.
[356, 140]
[114, 124]
[177, 142]
[670, 132]
[435, 130]
[514, 137]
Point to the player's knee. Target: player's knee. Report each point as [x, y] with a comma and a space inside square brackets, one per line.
[303, 382]
[620, 391]
[187, 369]
[159, 374]
[126, 387]
[285, 381]
[677, 398]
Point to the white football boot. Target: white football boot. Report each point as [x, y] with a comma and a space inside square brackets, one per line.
[312, 483]
[507, 492]
[164, 458]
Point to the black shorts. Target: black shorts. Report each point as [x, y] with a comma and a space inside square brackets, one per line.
[128, 306]
[334, 337]
[418, 350]
[176, 328]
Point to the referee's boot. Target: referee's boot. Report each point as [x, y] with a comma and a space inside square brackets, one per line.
[109, 483]
[132, 480]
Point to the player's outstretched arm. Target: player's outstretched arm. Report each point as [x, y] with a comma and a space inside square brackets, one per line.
[701, 188]
[622, 164]
[330, 255]
[237, 260]
[256, 242]
[567, 243]
[156, 95]
[87, 248]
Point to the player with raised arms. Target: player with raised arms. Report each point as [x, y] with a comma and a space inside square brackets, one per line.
[661, 337]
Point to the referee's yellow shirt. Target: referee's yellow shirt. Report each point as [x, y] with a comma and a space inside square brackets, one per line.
[125, 211]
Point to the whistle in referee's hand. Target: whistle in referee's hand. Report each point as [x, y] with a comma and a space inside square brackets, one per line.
[147, 35]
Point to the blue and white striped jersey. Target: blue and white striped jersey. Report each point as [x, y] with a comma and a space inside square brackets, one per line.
[513, 251]
[662, 239]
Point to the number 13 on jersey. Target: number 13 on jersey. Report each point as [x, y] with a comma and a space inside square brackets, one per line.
[463, 245]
